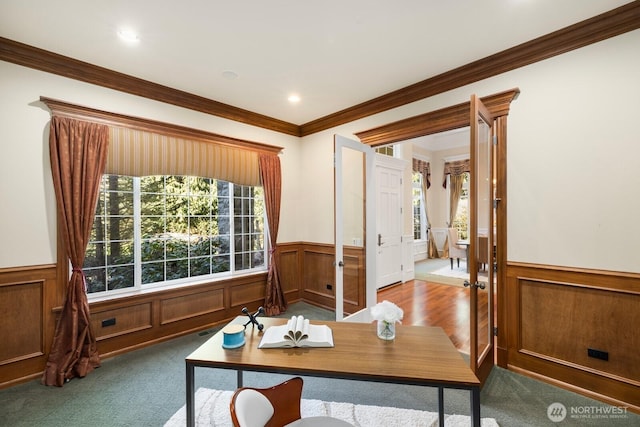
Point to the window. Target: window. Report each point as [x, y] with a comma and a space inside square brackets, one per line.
[461, 220]
[164, 230]
[387, 150]
[419, 212]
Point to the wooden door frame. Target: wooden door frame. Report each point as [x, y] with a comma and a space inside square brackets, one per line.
[455, 117]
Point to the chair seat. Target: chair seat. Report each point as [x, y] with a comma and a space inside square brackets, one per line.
[319, 422]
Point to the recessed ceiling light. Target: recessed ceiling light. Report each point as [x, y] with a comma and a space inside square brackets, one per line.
[294, 99]
[229, 75]
[128, 35]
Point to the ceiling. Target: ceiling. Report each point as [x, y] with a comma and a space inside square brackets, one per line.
[253, 54]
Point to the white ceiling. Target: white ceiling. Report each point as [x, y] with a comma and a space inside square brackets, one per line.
[332, 53]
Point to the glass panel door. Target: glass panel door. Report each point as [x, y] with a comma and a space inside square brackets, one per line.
[354, 215]
[482, 239]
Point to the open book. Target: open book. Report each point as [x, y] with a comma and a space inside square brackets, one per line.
[297, 333]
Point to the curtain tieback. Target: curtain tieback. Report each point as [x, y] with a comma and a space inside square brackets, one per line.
[84, 279]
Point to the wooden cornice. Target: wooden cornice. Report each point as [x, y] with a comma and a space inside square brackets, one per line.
[442, 120]
[65, 109]
[39, 59]
[609, 24]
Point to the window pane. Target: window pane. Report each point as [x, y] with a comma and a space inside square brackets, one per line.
[94, 255]
[221, 263]
[152, 226]
[120, 277]
[177, 247]
[200, 266]
[120, 252]
[152, 272]
[200, 246]
[177, 269]
[152, 204]
[152, 250]
[96, 280]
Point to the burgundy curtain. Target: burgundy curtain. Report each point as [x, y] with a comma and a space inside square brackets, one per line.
[274, 302]
[78, 153]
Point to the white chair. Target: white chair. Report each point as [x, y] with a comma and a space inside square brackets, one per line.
[455, 251]
[275, 406]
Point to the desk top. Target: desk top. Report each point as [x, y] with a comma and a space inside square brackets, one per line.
[419, 355]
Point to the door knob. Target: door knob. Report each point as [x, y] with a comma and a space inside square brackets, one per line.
[480, 285]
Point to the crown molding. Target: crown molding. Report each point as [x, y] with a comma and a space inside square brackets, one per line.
[609, 24]
[43, 60]
[601, 27]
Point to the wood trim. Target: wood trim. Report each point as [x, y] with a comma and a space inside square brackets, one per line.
[555, 313]
[30, 292]
[65, 109]
[40, 59]
[601, 27]
[454, 117]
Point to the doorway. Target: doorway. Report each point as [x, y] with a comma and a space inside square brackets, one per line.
[452, 118]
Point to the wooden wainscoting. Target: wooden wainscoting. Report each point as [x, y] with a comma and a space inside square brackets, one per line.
[27, 296]
[31, 299]
[125, 324]
[309, 274]
[555, 315]
[30, 302]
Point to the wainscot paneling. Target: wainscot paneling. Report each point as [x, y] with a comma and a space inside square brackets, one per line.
[26, 298]
[32, 297]
[576, 328]
[120, 321]
[316, 274]
[153, 317]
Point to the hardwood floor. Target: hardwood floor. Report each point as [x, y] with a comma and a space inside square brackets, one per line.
[431, 304]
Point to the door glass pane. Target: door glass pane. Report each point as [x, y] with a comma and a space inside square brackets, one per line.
[484, 244]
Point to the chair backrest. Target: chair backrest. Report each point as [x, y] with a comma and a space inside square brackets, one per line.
[270, 407]
[453, 238]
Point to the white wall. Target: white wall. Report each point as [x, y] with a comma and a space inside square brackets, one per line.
[573, 150]
[572, 160]
[27, 201]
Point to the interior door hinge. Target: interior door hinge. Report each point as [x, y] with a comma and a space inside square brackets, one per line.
[495, 331]
[495, 139]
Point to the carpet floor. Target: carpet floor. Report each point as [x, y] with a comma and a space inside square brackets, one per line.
[212, 410]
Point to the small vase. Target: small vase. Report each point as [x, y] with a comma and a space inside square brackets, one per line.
[386, 330]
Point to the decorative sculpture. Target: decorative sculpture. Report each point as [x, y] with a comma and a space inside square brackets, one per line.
[252, 317]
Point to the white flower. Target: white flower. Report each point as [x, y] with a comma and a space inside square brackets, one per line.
[387, 312]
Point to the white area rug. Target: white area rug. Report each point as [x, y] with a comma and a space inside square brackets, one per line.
[212, 409]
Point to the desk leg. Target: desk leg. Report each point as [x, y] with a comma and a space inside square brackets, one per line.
[239, 378]
[191, 416]
[441, 406]
[475, 406]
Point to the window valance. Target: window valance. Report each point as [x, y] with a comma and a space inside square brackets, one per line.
[138, 153]
[139, 147]
[457, 167]
[424, 168]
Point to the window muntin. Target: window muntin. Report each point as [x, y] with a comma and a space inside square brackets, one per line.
[164, 230]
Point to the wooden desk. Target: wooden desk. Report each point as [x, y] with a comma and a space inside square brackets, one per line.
[419, 355]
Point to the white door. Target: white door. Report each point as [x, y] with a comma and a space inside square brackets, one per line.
[354, 198]
[389, 220]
